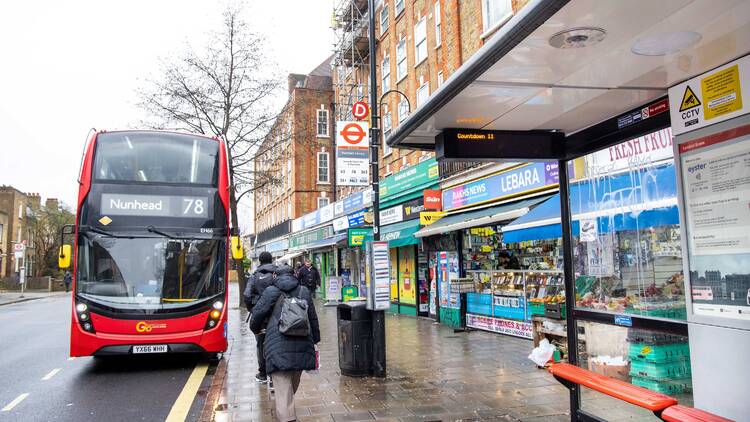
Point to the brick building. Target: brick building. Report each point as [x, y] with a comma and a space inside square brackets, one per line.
[16, 212]
[294, 166]
[420, 44]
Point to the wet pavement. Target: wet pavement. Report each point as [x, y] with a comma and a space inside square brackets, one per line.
[434, 374]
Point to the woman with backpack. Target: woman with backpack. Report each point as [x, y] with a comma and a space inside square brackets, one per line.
[291, 335]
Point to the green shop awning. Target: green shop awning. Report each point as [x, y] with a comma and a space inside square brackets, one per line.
[400, 234]
[481, 217]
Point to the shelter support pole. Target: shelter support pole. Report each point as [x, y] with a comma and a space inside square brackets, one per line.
[568, 270]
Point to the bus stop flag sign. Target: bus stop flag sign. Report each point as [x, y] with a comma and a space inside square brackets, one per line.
[352, 153]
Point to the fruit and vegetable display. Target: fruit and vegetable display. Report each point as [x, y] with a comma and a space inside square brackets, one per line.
[608, 294]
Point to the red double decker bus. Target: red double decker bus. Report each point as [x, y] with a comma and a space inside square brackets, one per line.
[151, 246]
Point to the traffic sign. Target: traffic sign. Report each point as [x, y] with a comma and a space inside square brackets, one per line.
[19, 247]
[353, 133]
[360, 110]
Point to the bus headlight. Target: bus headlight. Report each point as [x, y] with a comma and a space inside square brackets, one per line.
[214, 315]
[81, 307]
[84, 319]
[218, 305]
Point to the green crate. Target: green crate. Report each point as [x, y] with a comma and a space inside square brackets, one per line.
[674, 386]
[536, 308]
[659, 353]
[660, 371]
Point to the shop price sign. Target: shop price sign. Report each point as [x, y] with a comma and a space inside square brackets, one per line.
[498, 325]
[528, 178]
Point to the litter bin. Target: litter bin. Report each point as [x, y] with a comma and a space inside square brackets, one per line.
[355, 338]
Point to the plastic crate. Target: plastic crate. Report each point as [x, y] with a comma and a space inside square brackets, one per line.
[636, 335]
[535, 308]
[674, 386]
[660, 371]
[554, 310]
[659, 353]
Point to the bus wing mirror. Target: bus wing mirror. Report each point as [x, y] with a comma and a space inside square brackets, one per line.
[63, 259]
[238, 251]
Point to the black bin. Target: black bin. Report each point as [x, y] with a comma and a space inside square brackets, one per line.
[355, 338]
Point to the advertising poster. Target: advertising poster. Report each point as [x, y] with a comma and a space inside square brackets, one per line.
[499, 325]
[333, 289]
[600, 256]
[442, 277]
[407, 276]
[378, 260]
[394, 274]
[716, 189]
[352, 153]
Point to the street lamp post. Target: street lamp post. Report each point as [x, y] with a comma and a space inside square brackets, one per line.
[378, 317]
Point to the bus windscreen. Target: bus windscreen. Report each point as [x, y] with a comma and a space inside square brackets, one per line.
[155, 157]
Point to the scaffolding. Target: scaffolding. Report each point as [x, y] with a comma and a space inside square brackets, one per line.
[351, 55]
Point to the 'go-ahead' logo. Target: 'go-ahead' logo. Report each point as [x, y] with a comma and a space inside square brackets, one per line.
[145, 327]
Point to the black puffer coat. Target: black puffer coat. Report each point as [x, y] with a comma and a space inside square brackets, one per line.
[257, 283]
[285, 353]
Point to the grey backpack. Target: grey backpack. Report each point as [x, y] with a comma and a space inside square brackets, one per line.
[293, 320]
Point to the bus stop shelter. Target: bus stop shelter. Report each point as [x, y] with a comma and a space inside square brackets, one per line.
[565, 78]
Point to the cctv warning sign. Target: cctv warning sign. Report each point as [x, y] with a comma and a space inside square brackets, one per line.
[711, 98]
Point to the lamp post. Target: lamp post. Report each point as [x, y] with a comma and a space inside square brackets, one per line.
[378, 317]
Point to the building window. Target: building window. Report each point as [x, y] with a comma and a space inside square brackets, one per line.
[399, 7]
[440, 79]
[438, 20]
[387, 125]
[18, 236]
[420, 41]
[423, 93]
[1, 234]
[20, 211]
[322, 167]
[403, 110]
[385, 70]
[323, 122]
[401, 59]
[289, 209]
[495, 11]
[322, 202]
[384, 19]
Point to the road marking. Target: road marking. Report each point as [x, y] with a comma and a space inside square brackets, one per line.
[51, 374]
[8, 407]
[182, 405]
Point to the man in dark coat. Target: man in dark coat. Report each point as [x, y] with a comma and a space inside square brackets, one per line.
[286, 356]
[256, 285]
[309, 276]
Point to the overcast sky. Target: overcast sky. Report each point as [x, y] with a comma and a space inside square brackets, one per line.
[70, 66]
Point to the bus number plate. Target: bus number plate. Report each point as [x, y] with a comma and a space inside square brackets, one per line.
[151, 348]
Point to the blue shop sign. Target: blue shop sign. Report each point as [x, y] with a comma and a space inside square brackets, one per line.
[357, 219]
[527, 178]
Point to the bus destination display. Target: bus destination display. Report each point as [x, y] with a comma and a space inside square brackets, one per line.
[155, 206]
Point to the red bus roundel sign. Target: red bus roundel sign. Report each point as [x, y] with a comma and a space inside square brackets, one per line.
[360, 110]
[353, 133]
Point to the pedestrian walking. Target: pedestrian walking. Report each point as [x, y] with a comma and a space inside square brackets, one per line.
[309, 276]
[67, 279]
[257, 283]
[288, 348]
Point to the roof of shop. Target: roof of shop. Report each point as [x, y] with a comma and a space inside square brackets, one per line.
[518, 81]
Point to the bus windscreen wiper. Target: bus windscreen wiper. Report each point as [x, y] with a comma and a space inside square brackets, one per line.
[102, 232]
[153, 229]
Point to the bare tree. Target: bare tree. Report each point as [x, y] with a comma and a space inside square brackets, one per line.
[225, 90]
[46, 224]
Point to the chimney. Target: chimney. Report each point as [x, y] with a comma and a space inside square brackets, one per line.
[52, 204]
[295, 81]
[35, 201]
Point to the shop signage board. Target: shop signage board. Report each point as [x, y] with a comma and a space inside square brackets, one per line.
[413, 208]
[716, 194]
[433, 199]
[392, 215]
[278, 245]
[302, 239]
[341, 224]
[352, 153]
[357, 236]
[429, 217]
[424, 173]
[378, 259]
[631, 155]
[499, 325]
[711, 98]
[528, 178]
[356, 219]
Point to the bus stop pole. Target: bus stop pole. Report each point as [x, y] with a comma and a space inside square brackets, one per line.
[378, 317]
[568, 270]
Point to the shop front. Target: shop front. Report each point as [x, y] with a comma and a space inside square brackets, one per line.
[481, 269]
[402, 203]
[318, 245]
